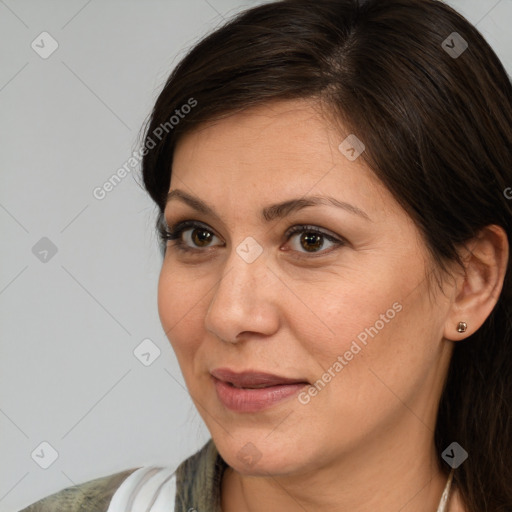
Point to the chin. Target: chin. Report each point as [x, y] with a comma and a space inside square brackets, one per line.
[261, 455]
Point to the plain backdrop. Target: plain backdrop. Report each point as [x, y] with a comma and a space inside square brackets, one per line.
[78, 274]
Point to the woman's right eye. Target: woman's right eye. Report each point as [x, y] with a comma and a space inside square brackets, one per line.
[188, 235]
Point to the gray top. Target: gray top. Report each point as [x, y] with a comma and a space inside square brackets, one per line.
[198, 481]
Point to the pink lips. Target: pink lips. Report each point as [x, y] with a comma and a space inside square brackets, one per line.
[244, 392]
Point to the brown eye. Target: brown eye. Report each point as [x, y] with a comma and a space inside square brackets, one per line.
[311, 241]
[188, 235]
[201, 237]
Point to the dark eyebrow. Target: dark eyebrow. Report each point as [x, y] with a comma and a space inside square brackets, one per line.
[274, 211]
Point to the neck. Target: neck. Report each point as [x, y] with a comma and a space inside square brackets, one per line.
[401, 473]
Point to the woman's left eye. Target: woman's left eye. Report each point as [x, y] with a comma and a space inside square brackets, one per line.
[191, 236]
[312, 239]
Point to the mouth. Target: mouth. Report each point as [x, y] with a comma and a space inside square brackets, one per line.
[253, 379]
[250, 392]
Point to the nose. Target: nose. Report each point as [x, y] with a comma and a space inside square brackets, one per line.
[244, 301]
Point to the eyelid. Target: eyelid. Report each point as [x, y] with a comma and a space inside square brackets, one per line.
[298, 228]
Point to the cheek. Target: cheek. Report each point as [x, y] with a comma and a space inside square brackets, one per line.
[180, 307]
[341, 311]
[383, 341]
[381, 323]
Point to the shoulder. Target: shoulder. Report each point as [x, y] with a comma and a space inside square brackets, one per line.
[194, 484]
[199, 480]
[92, 495]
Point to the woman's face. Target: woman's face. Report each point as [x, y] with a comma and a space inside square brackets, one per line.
[345, 309]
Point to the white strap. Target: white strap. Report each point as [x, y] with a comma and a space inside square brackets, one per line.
[446, 493]
[147, 489]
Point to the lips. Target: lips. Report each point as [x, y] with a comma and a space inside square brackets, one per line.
[253, 392]
[253, 380]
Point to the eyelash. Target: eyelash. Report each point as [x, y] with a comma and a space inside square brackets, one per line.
[174, 233]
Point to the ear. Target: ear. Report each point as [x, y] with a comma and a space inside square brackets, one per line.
[479, 285]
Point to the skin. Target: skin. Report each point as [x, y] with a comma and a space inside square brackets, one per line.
[365, 441]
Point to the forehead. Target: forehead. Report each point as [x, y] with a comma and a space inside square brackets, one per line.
[274, 152]
[291, 127]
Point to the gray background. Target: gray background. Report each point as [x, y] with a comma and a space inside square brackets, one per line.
[70, 323]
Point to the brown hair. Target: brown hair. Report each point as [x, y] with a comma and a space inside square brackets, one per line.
[438, 133]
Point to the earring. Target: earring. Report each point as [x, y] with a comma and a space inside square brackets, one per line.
[462, 327]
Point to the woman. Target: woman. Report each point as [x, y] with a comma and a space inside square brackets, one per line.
[333, 183]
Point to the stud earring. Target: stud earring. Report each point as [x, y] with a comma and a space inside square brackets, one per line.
[462, 327]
